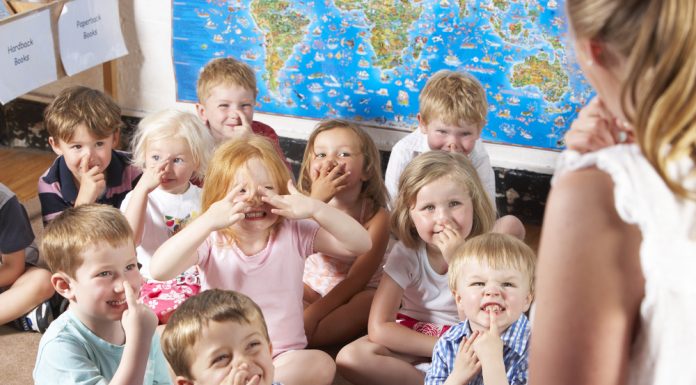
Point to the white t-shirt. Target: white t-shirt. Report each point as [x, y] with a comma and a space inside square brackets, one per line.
[415, 144]
[661, 354]
[426, 296]
[165, 215]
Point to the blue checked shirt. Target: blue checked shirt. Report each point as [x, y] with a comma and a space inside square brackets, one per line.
[515, 348]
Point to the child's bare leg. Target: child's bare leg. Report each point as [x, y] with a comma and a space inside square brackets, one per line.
[345, 323]
[511, 225]
[363, 362]
[304, 367]
[29, 290]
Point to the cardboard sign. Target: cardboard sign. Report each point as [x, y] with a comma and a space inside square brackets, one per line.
[27, 57]
[89, 34]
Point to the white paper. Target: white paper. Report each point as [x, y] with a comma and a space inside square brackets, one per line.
[27, 57]
[89, 33]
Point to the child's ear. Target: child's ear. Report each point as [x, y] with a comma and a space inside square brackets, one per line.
[200, 110]
[530, 299]
[180, 380]
[61, 282]
[117, 137]
[54, 146]
[421, 124]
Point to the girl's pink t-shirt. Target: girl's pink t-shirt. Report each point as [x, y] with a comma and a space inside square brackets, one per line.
[272, 277]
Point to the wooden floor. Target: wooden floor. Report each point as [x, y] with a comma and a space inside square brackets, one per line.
[20, 169]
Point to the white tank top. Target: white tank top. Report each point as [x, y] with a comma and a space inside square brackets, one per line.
[661, 353]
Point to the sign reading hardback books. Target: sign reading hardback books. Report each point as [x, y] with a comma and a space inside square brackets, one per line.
[89, 33]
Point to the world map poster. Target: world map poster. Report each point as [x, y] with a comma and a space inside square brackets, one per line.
[366, 60]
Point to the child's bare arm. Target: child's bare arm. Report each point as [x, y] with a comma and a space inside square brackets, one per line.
[139, 323]
[340, 235]
[489, 350]
[178, 253]
[92, 183]
[137, 205]
[358, 276]
[383, 329]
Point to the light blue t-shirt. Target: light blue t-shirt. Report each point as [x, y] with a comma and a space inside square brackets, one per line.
[69, 353]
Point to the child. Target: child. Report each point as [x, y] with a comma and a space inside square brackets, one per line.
[170, 147]
[24, 286]
[452, 113]
[219, 336]
[84, 126]
[226, 98]
[341, 166]
[491, 277]
[441, 200]
[242, 242]
[105, 336]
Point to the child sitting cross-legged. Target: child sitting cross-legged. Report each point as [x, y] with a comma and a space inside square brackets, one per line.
[491, 277]
[219, 337]
[105, 336]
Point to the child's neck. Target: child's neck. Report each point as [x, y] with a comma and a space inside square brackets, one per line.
[252, 242]
[436, 260]
[110, 331]
[348, 201]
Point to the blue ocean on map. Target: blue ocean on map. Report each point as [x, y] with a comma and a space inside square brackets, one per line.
[366, 60]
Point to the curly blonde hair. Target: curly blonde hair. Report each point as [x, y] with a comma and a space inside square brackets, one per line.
[454, 98]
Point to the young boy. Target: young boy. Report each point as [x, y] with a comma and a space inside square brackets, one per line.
[491, 277]
[25, 288]
[84, 126]
[219, 336]
[452, 113]
[105, 336]
[226, 98]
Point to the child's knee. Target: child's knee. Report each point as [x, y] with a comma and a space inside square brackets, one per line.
[350, 356]
[511, 225]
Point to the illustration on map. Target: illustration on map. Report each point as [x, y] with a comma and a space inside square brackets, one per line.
[366, 60]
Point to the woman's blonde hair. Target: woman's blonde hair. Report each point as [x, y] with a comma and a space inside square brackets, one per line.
[427, 168]
[232, 157]
[373, 188]
[658, 96]
[173, 124]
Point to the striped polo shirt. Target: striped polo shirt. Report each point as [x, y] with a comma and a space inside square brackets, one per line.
[58, 191]
[515, 349]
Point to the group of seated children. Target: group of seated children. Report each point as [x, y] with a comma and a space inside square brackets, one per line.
[216, 242]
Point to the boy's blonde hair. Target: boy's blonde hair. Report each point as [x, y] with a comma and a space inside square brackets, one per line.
[454, 98]
[78, 228]
[498, 251]
[226, 71]
[373, 188]
[658, 91]
[232, 157]
[173, 124]
[81, 105]
[427, 168]
[188, 321]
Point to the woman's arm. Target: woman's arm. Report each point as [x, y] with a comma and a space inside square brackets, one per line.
[359, 274]
[178, 253]
[383, 329]
[589, 286]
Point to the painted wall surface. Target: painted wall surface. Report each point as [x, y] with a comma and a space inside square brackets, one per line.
[146, 83]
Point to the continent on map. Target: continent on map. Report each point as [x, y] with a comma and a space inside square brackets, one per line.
[549, 77]
[391, 23]
[283, 28]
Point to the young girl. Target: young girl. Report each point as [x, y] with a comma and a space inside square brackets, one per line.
[170, 147]
[341, 166]
[440, 201]
[253, 237]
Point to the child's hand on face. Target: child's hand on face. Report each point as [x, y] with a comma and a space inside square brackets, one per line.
[466, 364]
[328, 179]
[138, 321]
[240, 376]
[244, 128]
[446, 240]
[294, 205]
[488, 345]
[596, 128]
[226, 211]
[92, 181]
[152, 175]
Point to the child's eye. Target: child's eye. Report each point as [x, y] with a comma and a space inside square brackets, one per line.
[344, 154]
[222, 359]
[100, 144]
[428, 207]
[242, 191]
[155, 157]
[477, 284]
[104, 274]
[178, 160]
[253, 344]
[319, 155]
[246, 105]
[223, 106]
[269, 187]
[454, 203]
[441, 132]
[76, 146]
[508, 284]
[131, 266]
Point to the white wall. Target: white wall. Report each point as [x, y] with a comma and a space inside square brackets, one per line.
[146, 84]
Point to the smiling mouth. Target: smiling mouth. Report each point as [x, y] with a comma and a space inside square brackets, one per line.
[492, 308]
[116, 302]
[255, 215]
